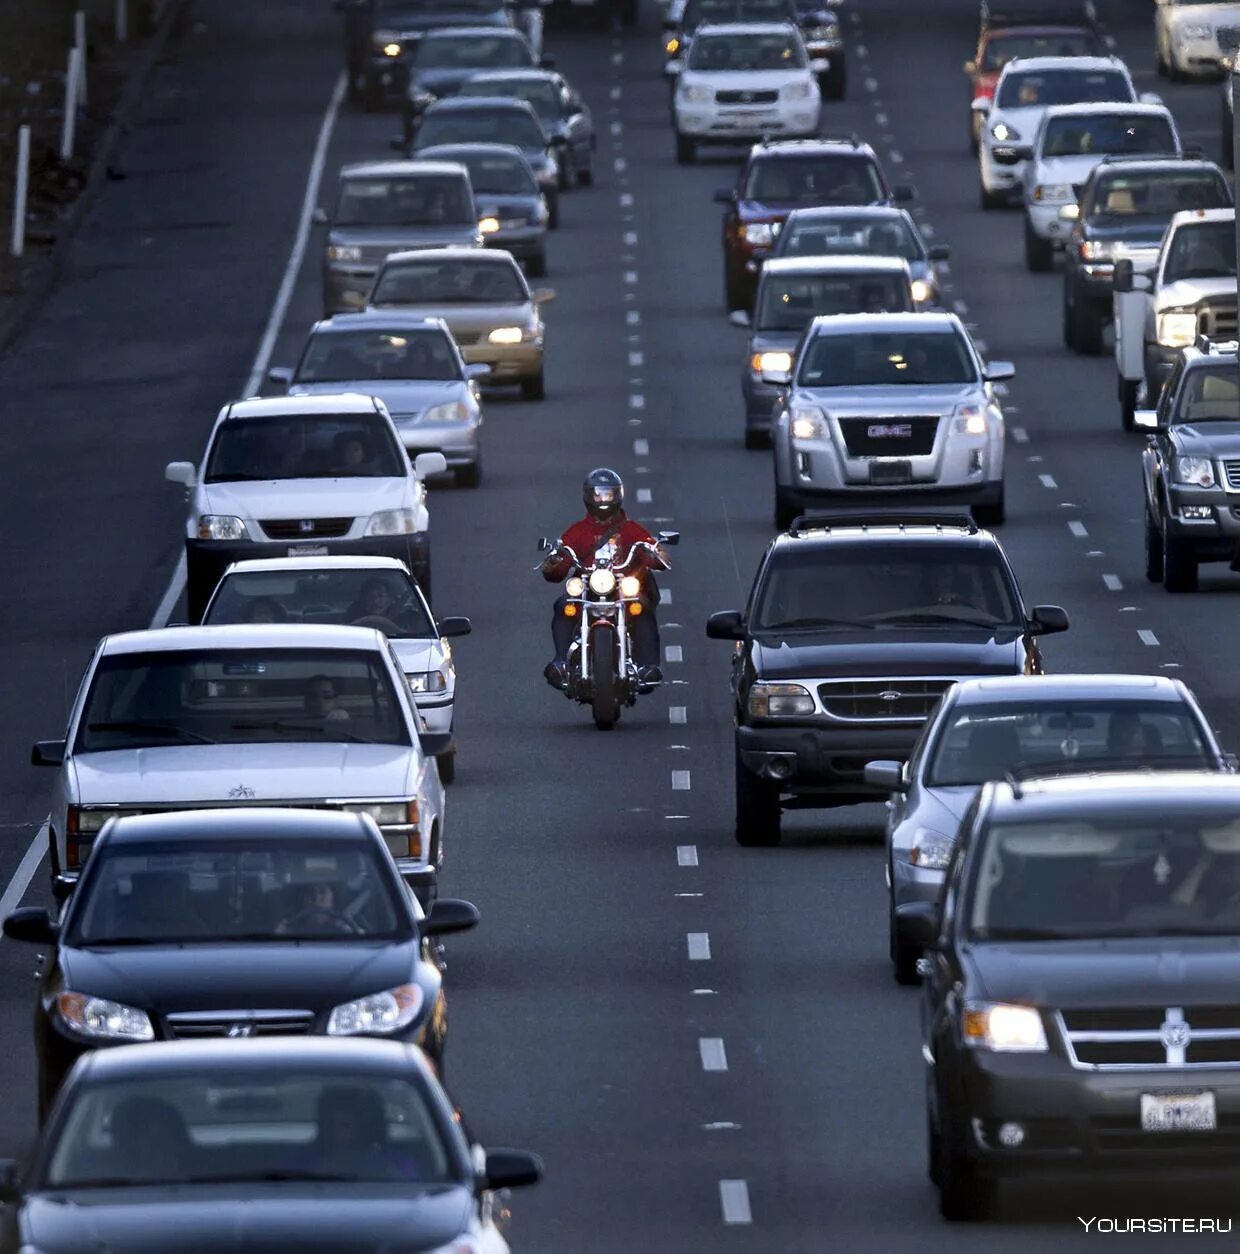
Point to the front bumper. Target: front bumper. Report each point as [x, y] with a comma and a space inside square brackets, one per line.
[508, 362]
[760, 401]
[524, 242]
[345, 289]
[1213, 539]
[911, 884]
[707, 123]
[999, 180]
[457, 441]
[1196, 56]
[1045, 222]
[437, 710]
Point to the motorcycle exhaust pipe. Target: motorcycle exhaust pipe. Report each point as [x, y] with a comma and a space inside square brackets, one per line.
[781, 766]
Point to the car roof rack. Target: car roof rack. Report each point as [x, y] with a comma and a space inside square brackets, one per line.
[825, 520]
[1204, 344]
[1118, 158]
[1037, 13]
[851, 138]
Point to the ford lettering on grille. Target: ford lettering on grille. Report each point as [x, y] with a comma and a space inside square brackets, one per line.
[889, 430]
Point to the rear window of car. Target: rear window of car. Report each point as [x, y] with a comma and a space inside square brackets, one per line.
[821, 179]
[1100, 133]
[1040, 88]
[1002, 48]
[412, 200]
[789, 302]
[1158, 193]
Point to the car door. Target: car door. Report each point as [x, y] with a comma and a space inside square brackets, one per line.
[578, 126]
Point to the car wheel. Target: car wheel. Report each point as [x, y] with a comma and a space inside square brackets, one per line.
[1179, 565]
[964, 1192]
[757, 809]
[686, 150]
[993, 513]
[834, 83]
[553, 211]
[469, 476]
[988, 200]
[536, 267]
[533, 388]
[1153, 549]
[447, 767]
[1128, 403]
[198, 588]
[785, 509]
[1082, 328]
[733, 292]
[903, 955]
[755, 437]
[1039, 252]
[934, 1149]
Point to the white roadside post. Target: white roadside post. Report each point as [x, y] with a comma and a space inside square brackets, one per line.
[79, 40]
[71, 95]
[21, 183]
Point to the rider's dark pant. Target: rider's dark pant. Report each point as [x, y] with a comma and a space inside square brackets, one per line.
[643, 634]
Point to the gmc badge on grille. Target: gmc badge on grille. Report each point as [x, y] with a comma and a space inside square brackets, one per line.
[889, 430]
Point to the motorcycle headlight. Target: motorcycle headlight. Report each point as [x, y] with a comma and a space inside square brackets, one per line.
[923, 291]
[602, 582]
[506, 335]
[1177, 329]
[931, 850]
[1198, 471]
[696, 94]
[426, 681]
[779, 700]
[773, 359]
[102, 1020]
[344, 252]
[1053, 193]
[970, 419]
[391, 522]
[449, 411]
[488, 226]
[378, 1014]
[758, 233]
[575, 586]
[630, 586]
[221, 527]
[1004, 133]
[1003, 1027]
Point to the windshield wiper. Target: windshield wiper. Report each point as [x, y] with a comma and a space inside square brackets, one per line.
[291, 728]
[274, 1176]
[1022, 934]
[239, 477]
[923, 616]
[167, 730]
[814, 622]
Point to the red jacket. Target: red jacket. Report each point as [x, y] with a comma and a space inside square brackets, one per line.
[587, 534]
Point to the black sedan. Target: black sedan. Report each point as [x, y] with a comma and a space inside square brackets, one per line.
[306, 1145]
[236, 923]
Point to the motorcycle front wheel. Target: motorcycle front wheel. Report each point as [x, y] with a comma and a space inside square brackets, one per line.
[605, 702]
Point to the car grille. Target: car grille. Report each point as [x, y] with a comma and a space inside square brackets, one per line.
[305, 528]
[1217, 320]
[1175, 1036]
[1228, 38]
[466, 337]
[746, 97]
[889, 437]
[881, 700]
[196, 1026]
[1231, 468]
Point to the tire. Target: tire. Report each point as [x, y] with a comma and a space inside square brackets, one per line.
[993, 514]
[1179, 565]
[1039, 253]
[988, 200]
[564, 180]
[733, 296]
[1160, 64]
[469, 476]
[755, 437]
[536, 267]
[964, 1193]
[1227, 124]
[605, 703]
[834, 83]
[198, 589]
[1153, 549]
[934, 1149]
[903, 956]
[372, 95]
[447, 767]
[1082, 328]
[553, 212]
[585, 176]
[757, 809]
[785, 510]
[686, 150]
[534, 388]
[1128, 403]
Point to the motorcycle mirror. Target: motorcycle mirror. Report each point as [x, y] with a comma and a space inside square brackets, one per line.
[669, 537]
[543, 544]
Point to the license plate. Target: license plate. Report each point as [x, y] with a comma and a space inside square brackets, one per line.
[307, 550]
[891, 472]
[1178, 1112]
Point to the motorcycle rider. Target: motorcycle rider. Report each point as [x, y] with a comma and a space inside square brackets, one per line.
[606, 523]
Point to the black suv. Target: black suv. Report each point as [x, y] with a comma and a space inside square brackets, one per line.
[1126, 204]
[786, 175]
[856, 625]
[1191, 466]
[1082, 985]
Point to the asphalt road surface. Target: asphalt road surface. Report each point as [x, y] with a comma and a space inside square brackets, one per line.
[704, 1042]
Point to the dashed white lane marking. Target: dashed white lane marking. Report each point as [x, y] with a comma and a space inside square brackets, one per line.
[616, 92]
[862, 51]
[871, 84]
[680, 781]
[961, 307]
[981, 345]
[699, 942]
[1077, 528]
[714, 1056]
[881, 119]
[1113, 583]
[641, 448]
[617, 58]
[686, 855]
[734, 1198]
[1147, 637]
[677, 714]
[1047, 481]
[928, 231]
[626, 200]
[630, 239]
[674, 653]
[630, 276]
[897, 156]
[619, 165]
[637, 358]
[633, 318]
[1111, 41]
[617, 128]
[637, 400]
[643, 496]
[1020, 435]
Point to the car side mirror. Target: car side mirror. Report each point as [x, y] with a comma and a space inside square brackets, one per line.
[726, 625]
[724, 196]
[182, 473]
[997, 371]
[939, 252]
[903, 193]
[449, 628]
[10, 1181]
[511, 1169]
[449, 915]
[542, 295]
[1122, 275]
[671, 538]
[280, 376]
[427, 464]
[47, 753]
[319, 216]
[739, 318]
[1046, 620]
[919, 923]
[436, 744]
[477, 370]
[1069, 213]
[777, 378]
[32, 924]
[889, 776]
[1146, 419]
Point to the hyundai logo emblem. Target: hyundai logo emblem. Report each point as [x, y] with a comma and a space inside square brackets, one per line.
[240, 1031]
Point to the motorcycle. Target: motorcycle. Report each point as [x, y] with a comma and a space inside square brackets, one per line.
[604, 597]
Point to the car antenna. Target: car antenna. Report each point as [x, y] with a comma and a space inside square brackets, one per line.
[1014, 784]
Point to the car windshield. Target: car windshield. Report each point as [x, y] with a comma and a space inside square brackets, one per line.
[860, 236]
[240, 696]
[788, 302]
[363, 597]
[305, 446]
[1201, 250]
[450, 282]
[985, 742]
[880, 585]
[829, 179]
[1000, 49]
[1040, 88]
[1096, 134]
[862, 359]
[540, 93]
[729, 53]
[241, 890]
[1158, 193]
[412, 200]
[498, 125]
[338, 356]
[464, 52]
[1127, 872]
[1211, 393]
[234, 1124]
[497, 172]
[698, 12]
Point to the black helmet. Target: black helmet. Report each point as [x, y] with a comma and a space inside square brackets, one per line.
[603, 494]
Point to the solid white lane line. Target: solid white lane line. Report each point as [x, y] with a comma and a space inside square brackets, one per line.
[686, 855]
[1113, 583]
[641, 448]
[734, 1198]
[1077, 528]
[1048, 481]
[680, 781]
[674, 653]
[699, 942]
[643, 496]
[172, 593]
[29, 864]
[1147, 637]
[677, 714]
[714, 1056]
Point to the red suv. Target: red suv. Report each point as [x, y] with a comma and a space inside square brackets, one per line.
[786, 175]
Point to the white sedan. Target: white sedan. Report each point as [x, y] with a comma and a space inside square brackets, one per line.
[1192, 37]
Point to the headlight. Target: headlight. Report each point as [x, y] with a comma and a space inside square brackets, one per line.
[771, 360]
[931, 850]
[923, 291]
[779, 700]
[1053, 193]
[379, 1013]
[427, 681]
[1199, 471]
[1196, 31]
[602, 582]
[449, 411]
[797, 91]
[344, 252]
[970, 419]
[758, 233]
[384, 41]
[102, 1020]
[390, 522]
[1002, 1027]
[506, 335]
[385, 813]
[1097, 250]
[696, 94]
[575, 586]
[1177, 330]
[541, 214]
[488, 226]
[83, 822]
[221, 527]
[821, 34]
[807, 423]
[630, 586]
[1004, 133]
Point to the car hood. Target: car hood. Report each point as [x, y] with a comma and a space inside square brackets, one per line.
[761, 341]
[893, 399]
[1074, 170]
[248, 1219]
[306, 498]
[1190, 291]
[1160, 971]
[444, 81]
[249, 774]
[273, 976]
[907, 651]
[473, 319]
[1212, 15]
[1022, 120]
[377, 242]
[1140, 232]
[940, 809]
[403, 397]
[419, 655]
[507, 204]
[1208, 439]
[744, 80]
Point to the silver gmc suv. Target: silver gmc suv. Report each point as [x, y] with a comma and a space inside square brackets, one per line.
[895, 408]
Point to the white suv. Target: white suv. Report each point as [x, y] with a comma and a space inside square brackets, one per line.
[744, 81]
[1194, 36]
[303, 476]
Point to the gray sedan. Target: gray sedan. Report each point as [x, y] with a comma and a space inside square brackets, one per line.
[413, 366]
